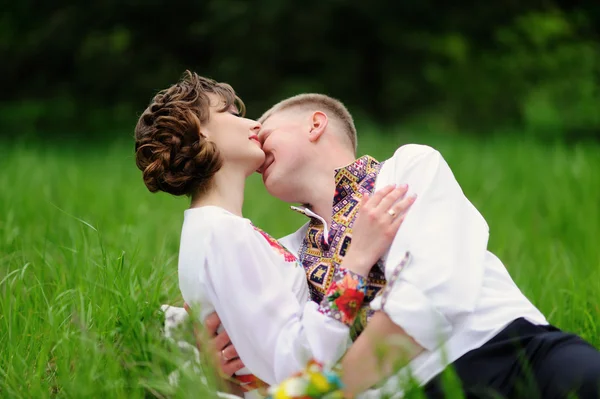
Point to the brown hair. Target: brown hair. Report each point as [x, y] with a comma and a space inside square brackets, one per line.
[172, 154]
[318, 102]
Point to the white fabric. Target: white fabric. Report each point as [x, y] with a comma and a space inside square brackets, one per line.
[263, 301]
[454, 295]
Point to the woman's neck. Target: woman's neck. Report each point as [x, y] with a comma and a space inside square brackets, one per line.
[227, 192]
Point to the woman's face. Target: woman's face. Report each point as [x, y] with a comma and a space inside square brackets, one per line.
[235, 137]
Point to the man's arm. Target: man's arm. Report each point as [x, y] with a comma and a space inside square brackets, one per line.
[447, 240]
[226, 356]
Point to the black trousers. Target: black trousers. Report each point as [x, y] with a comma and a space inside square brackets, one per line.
[527, 361]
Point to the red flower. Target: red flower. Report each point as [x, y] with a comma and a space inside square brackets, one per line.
[349, 304]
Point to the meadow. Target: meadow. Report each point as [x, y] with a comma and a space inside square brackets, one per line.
[88, 255]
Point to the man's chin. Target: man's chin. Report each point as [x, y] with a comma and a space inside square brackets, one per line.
[266, 174]
[267, 182]
[270, 184]
[279, 191]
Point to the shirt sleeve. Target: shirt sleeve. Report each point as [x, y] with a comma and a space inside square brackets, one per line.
[447, 240]
[345, 296]
[274, 334]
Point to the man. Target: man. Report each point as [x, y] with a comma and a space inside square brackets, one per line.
[454, 303]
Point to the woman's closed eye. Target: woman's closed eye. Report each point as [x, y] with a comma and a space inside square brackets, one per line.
[233, 110]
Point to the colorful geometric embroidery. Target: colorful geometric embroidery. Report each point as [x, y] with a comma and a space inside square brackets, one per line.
[395, 274]
[318, 274]
[321, 257]
[344, 297]
[288, 256]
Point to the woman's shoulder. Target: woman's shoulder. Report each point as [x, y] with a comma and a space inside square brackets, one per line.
[218, 225]
[210, 224]
[213, 217]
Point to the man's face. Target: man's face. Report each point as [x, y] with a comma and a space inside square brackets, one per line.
[284, 137]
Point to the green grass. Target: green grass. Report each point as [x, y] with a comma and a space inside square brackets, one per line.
[87, 255]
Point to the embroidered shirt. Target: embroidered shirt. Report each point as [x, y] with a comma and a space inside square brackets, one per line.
[454, 295]
[323, 248]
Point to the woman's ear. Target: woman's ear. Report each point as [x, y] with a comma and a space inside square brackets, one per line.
[318, 123]
[199, 127]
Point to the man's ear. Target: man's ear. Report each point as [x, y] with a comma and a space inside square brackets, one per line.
[318, 123]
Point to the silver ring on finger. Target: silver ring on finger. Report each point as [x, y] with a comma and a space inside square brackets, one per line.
[392, 213]
[224, 357]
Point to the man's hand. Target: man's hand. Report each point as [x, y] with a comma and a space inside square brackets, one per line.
[223, 350]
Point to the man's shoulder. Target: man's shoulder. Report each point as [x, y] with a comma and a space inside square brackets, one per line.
[411, 152]
[408, 157]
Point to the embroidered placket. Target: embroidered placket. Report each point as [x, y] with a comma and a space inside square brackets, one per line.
[324, 247]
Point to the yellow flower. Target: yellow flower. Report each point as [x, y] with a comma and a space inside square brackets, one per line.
[280, 394]
[290, 388]
[319, 381]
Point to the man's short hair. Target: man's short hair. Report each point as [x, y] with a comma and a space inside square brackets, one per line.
[318, 102]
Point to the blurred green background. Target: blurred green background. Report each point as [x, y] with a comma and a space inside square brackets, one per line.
[507, 91]
[451, 66]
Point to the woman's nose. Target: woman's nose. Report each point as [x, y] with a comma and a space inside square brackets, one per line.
[255, 127]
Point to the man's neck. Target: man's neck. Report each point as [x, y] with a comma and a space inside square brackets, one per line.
[323, 186]
[321, 198]
[227, 192]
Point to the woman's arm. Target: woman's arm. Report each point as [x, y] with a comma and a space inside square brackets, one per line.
[273, 332]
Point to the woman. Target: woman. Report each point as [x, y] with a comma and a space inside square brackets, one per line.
[193, 140]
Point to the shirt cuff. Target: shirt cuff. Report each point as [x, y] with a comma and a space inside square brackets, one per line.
[345, 296]
[410, 309]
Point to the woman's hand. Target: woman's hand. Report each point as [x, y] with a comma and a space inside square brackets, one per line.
[376, 225]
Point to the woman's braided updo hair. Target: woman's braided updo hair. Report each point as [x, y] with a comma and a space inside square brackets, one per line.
[169, 149]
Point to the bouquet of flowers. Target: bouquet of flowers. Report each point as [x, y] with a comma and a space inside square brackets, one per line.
[312, 382]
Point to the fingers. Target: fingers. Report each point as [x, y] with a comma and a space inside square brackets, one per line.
[221, 341]
[390, 199]
[232, 366]
[400, 208]
[212, 323]
[229, 361]
[376, 198]
[228, 358]
[229, 353]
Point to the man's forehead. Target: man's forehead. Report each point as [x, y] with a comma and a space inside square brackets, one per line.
[279, 118]
[274, 120]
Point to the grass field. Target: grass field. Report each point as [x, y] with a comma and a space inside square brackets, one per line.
[87, 255]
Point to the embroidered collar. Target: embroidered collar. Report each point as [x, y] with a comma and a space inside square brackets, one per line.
[356, 171]
[345, 177]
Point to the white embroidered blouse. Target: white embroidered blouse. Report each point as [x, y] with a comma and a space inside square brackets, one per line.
[260, 293]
